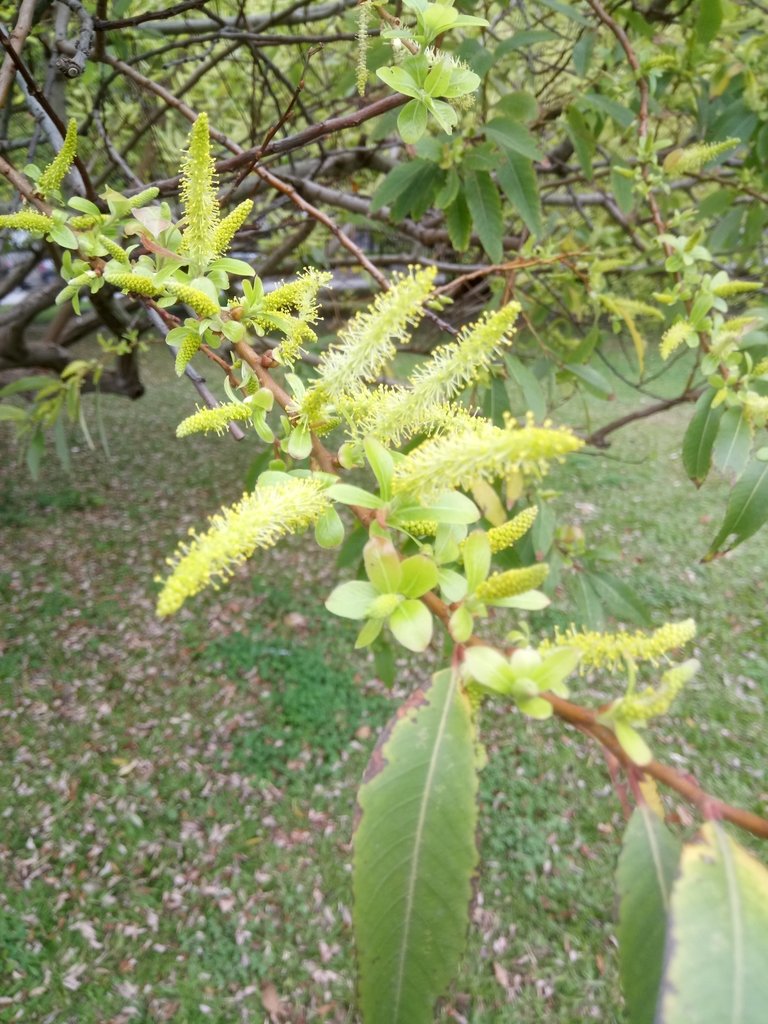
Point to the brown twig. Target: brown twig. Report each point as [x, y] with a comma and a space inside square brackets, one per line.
[597, 439]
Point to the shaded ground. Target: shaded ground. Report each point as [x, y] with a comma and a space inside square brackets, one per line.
[177, 797]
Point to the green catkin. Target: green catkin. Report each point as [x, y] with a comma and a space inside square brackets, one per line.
[146, 196]
[187, 349]
[86, 222]
[512, 582]
[198, 301]
[198, 195]
[504, 536]
[422, 527]
[724, 291]
[229, 226]
[361, 71]
[27, 221]
[214, 420]
[691, 159]
[114, 249]
[135, 284]
[53, 175]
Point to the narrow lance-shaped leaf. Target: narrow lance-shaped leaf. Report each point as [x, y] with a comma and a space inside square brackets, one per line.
[518, 180]
[734, 440]
[485, 206]
[415, 855]
[699, 438]
[747, 508]
[717, 938]
[647, 866]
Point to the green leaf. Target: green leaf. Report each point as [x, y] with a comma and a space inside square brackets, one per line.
[415, 855]
[351, 600]
[518, 180]
[329, 529]
[61, 235]
[458, 221]
[582, 52]
[632, 743]
[524, 40]
[449, 507]
[25, 384]
[593, 380]
[382, 464]
[531, 601]
[452, 585]
[348, 494]
[717, 940]
[382, 565]
[476, 553]
[299, 443]
[399, 180]
[230, 265]
[582, 138]
[412, 121]
[588, 604]
[411, 624]
[419, 574]
[623, 190]
[621, 115]
[555, 669]
[485, 207]
[533, 393]
[369, 633]
[511, 135]
[646, 871]
[699, 438]
[13, 412]
[730, 452]
[400, 80]
[489, 668]
[520, 106]
[619, 599]
[708, 20]
[747, 508]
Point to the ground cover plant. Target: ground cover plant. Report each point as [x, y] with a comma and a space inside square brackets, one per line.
[452, 464]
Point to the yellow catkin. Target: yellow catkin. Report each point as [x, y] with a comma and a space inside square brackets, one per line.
[652, 702]
[258, 520]
[512, 582]
[611, 650]
[229, 227]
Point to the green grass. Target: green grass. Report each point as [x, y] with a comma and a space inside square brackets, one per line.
[178, 797]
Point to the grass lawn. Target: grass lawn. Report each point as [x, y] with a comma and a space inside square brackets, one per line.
[177, 797]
